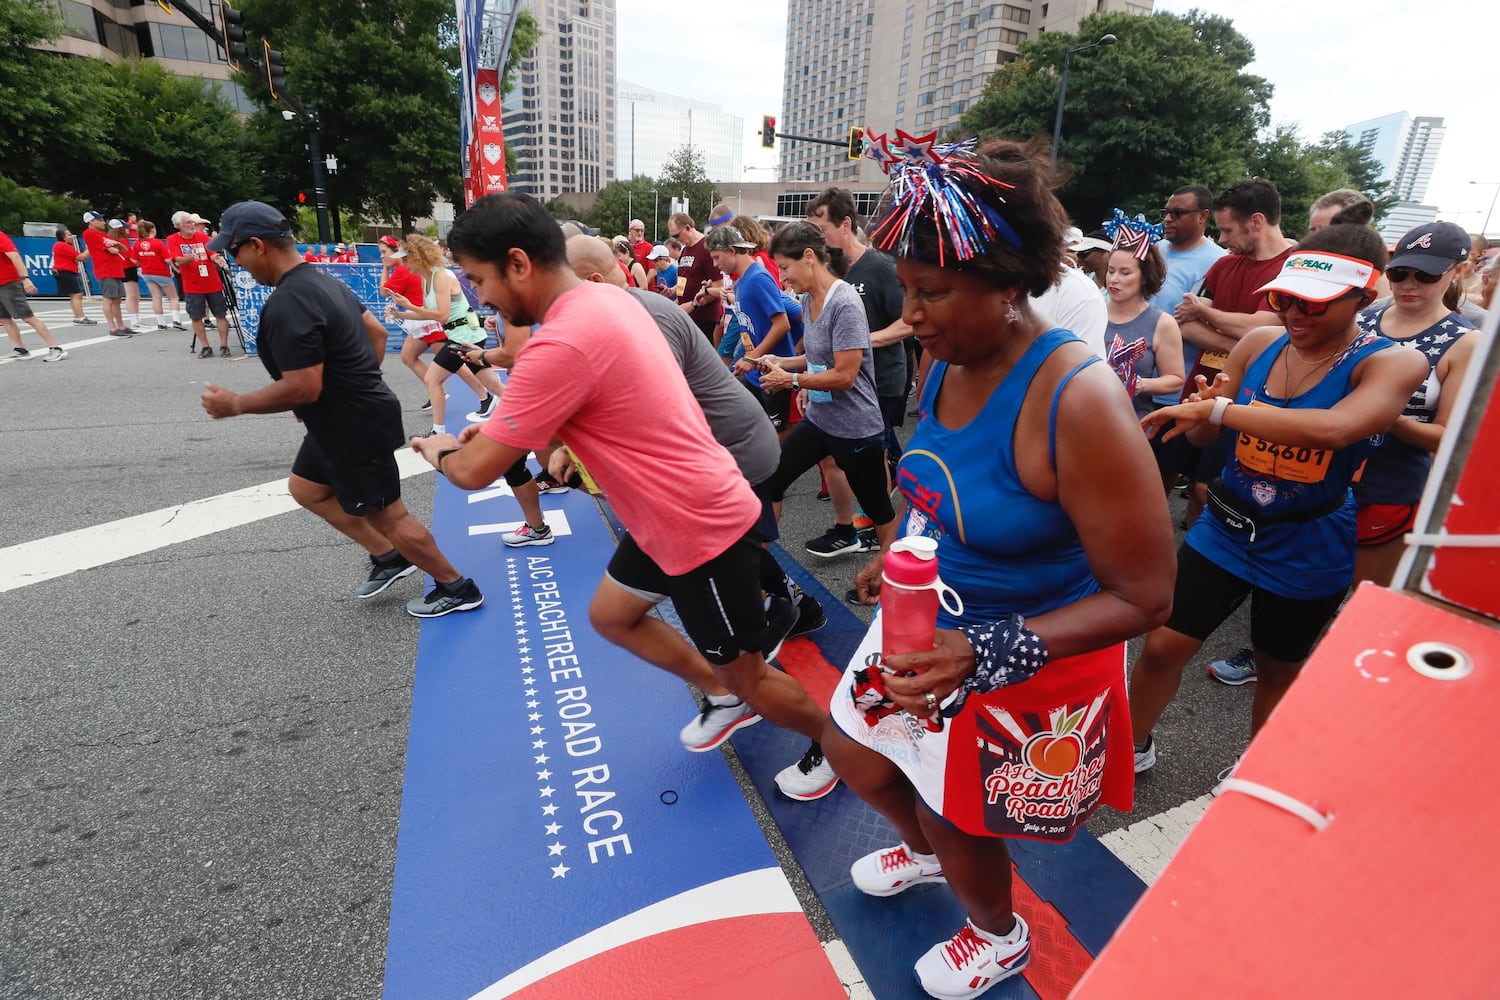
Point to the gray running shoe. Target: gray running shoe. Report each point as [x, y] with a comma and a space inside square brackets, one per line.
[383, 574]
[460, 595]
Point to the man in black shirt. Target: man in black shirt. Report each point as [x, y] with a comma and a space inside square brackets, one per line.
[322, 348]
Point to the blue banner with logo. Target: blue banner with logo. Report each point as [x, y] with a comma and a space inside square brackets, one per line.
[363, 280]
[36, 251]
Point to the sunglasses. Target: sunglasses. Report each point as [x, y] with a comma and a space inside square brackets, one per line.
[1282, 302]
[235, 248]
[1396, 275]
[1177, 213]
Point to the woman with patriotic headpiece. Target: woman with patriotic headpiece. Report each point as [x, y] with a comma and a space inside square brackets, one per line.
[1144, 344]
[1305, 399]
[1015, 724]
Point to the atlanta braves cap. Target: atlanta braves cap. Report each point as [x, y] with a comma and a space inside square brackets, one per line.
[1432, 248]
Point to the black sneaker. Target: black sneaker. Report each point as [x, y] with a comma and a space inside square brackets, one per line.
[21, 352]
[781, 618]
[444, 599]
[85, 321]
[834, 542]
[486, 407]
[177, 326]
[383, 573]
[810, 615]
[823, 495]
[868, 539]
[546, 484]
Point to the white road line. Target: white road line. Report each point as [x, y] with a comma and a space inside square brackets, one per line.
[848, 973]
[41, 352]
[1147, 846]
[58, 555]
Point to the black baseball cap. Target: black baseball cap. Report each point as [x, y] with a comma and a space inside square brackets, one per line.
[245, 219]
[1432, 248]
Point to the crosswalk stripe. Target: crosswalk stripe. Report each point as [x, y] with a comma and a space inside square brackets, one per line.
[86, 548]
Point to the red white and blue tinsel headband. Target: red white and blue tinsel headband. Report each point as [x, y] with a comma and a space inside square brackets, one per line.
[938, 185]
[1134, 236]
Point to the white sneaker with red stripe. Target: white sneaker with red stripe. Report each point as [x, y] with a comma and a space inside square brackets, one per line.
[972, 961]
[893, 870]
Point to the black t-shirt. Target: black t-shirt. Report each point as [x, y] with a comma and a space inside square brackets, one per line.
[313, 319]
[874, 278]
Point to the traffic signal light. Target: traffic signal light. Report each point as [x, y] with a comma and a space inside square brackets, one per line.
[768, 132]
[275, 71]
[302, 197]
[232, 24]
[856, 143]
[164, 5]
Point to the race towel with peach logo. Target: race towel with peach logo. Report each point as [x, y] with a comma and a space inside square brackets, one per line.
[1034, 760]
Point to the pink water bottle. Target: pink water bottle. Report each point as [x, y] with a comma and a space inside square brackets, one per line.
[910, 593]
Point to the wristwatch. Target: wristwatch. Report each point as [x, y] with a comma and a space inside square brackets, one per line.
[795, 386]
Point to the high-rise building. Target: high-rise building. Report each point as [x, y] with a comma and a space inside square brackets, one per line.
[560, 119]
[146, 31]
[916, 65]
[1407, 149]
[653, 125]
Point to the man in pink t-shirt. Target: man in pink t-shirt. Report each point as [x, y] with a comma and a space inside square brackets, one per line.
[599, 375]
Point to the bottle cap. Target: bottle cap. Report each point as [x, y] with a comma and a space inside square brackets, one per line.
[912, 561]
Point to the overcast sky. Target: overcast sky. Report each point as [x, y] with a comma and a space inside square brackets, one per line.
[1329, 61]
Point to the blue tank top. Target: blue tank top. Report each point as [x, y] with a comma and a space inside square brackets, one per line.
[1397, 471]
[1000, 547]
[1301, 560]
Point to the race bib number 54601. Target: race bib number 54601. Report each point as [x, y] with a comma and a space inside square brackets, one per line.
[1290, 463]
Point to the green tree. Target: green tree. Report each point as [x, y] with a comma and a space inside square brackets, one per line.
[684, 176]
[383, 80]
[1168, 104]
[168, 113]
[620, 201]
[20, 204]
[1304, 172]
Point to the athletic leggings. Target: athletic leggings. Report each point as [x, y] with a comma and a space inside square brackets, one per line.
[861, 459]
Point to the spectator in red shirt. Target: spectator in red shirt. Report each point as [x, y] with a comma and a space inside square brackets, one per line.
[153, 256]
[108, 257]
[199, 269]
[15, 285]
[640, 247]
[122, 233]
[65, 260]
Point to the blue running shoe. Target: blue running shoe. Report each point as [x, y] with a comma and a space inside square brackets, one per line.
[1234, 670]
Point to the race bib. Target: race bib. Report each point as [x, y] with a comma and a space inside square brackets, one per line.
[818, 395]
[1281, 461]
[1213, 359]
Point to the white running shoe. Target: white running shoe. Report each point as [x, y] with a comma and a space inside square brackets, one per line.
[715, 724]
[55, 354]
[810, 778]
[893, 870]
[1145, 759]
[970, 962]
[527, 535]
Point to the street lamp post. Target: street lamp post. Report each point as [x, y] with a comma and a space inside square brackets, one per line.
[1062, 90]
[1485, 230]
[655, 212]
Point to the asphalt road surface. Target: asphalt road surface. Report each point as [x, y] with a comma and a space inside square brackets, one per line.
[202, 747]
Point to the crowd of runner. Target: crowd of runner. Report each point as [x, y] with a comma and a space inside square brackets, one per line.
[1296, 392]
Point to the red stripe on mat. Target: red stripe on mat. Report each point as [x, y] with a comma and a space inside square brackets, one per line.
[803, 660]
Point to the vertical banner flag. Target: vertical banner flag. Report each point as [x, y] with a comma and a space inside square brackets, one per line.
[489, 138]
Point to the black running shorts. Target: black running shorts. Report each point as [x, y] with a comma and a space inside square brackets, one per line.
[361, 481]
[1283, 628]
[719, 603]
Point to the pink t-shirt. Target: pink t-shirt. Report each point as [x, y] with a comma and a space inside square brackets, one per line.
[598, 374]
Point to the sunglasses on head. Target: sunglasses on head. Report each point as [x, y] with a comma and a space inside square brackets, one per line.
[1282, 302]
[1396, 275]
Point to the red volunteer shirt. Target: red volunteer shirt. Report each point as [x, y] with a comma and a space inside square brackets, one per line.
[199, 275]
[64, 257]
[106, 254]
[152, 253]
[403, 282]
[8, 273]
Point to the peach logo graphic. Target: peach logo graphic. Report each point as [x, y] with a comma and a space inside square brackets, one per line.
[1058, 753]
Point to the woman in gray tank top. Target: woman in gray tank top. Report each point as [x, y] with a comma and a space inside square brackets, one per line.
[1144, 343]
